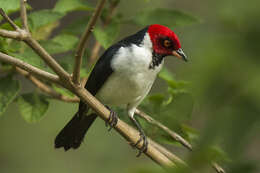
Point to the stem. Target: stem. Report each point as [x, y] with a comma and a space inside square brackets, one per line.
[24, 15]
[173, 134]
[82, 44]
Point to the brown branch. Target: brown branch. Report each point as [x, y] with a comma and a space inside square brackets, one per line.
[10, 34]
[45, 88]
[29, 68]
[24, 15]
[167, 153]
[7, 18]
[82, 44]
[173, 134]
[218, 168]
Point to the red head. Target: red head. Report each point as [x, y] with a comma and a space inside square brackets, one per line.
[165, 41]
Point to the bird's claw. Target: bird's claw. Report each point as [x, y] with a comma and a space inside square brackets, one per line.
[143, 149]
[112, 120]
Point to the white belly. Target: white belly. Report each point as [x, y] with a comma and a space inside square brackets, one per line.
[131, 80]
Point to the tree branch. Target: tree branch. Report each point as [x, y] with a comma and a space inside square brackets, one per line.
[29, 68]
[24, 15]
[10, 34]
[82, 44]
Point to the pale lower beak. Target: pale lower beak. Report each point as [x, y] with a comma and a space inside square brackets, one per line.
[180, 54]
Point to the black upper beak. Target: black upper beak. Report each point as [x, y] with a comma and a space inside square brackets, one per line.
[180, 54]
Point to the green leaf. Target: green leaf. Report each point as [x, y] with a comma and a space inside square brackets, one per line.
[9, 88]
[167, 17]
[67, 41]
[107, 35]
[166, 75]
[65, 6]
[43, 32]
[32, 106]
[41, 18]
[77, 27]
[61, 43]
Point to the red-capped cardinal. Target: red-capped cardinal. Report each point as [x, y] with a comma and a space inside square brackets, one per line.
[123, 75]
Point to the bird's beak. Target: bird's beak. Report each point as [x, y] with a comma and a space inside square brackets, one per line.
[180, 54]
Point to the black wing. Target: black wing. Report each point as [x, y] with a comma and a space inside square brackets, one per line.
[101, 71]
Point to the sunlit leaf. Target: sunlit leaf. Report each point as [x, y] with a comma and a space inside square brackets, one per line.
[167, 17]
[10, 5]
[64, 6]
[32, 106]
[41, 18]
[9, 88]
[43, 32]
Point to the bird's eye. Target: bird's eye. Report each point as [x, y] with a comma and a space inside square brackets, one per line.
[167, 43]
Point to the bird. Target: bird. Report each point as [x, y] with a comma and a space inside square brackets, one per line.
[123, 76]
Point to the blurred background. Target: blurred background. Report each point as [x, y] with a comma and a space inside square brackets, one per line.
[224, 80]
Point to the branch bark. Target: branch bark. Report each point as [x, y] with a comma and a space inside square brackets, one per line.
[82, 44]
[24, 15]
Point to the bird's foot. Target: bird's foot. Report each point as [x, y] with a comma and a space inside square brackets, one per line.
[112, 120]
[143, 149]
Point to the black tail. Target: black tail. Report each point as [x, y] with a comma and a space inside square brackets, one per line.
[73, 133]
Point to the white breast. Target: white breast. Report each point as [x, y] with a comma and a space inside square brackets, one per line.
[132, 79]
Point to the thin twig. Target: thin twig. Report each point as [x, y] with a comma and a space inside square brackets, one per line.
[82, 43]
[97, 46]
[45, 88]
[218, 168]
[173, 134]
[27, 67]
[24, 15]
[7, 18]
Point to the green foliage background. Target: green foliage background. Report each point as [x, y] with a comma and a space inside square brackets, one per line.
[213, 101]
